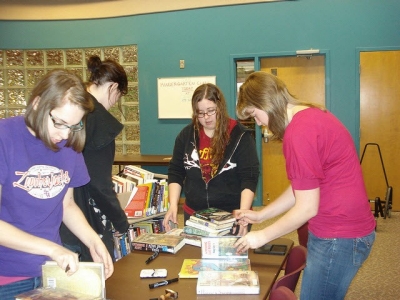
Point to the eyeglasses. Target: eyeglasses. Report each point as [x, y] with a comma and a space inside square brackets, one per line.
[73, 128]
[209, 113]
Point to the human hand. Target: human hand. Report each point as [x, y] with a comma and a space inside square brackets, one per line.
[246, 216]
[100, 254]
[243, 230]
[65, 259]
[251, 240]
[170, 216]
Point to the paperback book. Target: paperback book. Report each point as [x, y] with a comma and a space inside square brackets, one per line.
[88, 280]
[158, 242]
[190, 239]
[228, 282]
[191, 267]
[209, 231]
[215, 215]
[220, 247]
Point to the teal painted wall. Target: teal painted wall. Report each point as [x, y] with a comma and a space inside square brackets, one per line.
[207, 38]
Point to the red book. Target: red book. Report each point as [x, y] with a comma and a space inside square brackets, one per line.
[137, 204]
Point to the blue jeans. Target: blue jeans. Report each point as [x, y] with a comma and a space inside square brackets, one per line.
[9, 291]
[332, 265]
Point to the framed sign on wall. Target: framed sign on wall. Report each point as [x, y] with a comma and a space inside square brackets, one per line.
[175, 95]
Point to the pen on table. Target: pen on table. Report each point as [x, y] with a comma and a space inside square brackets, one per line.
[162, 283]
[151, 258]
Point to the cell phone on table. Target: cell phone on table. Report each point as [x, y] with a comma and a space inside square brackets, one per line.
[272, 249]
[151, 273]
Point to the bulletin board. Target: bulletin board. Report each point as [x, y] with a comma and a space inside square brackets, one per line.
[175, 95]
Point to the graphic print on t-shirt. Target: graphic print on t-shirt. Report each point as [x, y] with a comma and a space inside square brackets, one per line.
[208, 169]
[42, 181]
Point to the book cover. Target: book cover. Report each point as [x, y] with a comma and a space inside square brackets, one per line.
[228, 282]
[158, 242]
[136, 206]
[190, 239]
[191, 267]
[88, 280]
[54, 294]
[215, 215]
[220, 247]
[210, 224]
[211, 232]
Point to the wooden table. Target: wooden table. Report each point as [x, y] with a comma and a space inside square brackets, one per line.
[141, 160]
[125, 283]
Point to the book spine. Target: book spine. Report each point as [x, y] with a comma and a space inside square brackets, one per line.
[203, 222]
[202, 227]
[197, 231]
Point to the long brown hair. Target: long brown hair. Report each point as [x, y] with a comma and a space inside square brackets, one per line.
[220, 138]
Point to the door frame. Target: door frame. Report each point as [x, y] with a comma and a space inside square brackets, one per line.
[359, 50]
[258, 201]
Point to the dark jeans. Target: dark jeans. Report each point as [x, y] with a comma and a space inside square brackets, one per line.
[9, 291]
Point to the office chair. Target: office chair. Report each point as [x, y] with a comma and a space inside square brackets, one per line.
[295, 263]
[302, 233]
[282, 293]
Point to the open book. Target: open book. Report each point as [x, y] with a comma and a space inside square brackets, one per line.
[88, 280]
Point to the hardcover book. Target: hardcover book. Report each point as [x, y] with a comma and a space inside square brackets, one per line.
[228, 282]
[158, 242]
[54, 294]
[215, 215]
[210, 224]
[88, 280]
[211, 232]
[220, 247]
[191, 267]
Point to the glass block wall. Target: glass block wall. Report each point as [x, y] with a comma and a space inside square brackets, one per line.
[19, 69]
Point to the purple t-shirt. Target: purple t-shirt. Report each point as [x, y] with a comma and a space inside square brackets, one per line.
[34, 181]
[320, 153]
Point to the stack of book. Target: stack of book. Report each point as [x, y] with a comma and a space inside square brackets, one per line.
[221, 270]
[209, 222]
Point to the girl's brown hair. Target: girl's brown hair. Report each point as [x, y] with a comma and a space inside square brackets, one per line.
[267, 92]
[221, 134]
[55, 89]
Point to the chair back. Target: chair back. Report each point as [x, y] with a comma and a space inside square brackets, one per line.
[296, 259]
[302, 234]
[282, 293]
[295, 263]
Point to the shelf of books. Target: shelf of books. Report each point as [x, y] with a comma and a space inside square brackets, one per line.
[144, 197]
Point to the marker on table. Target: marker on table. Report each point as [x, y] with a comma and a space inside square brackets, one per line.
[162, 283]
[151, 258]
